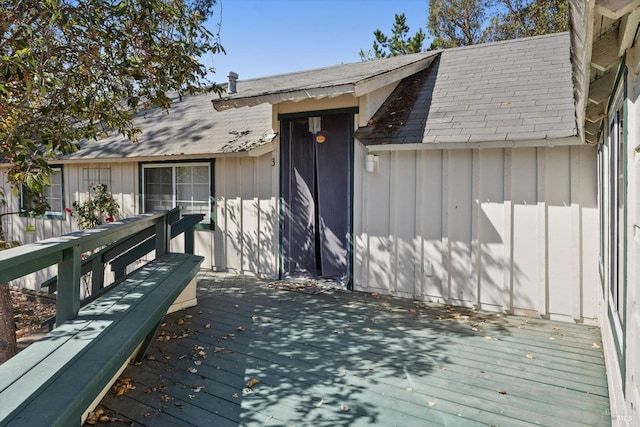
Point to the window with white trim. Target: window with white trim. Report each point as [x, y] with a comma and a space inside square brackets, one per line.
[187, 185]
[53, 194]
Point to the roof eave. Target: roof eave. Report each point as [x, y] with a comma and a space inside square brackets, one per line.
[357, 89]
[275, 98]
[374, 83]
[528, 143]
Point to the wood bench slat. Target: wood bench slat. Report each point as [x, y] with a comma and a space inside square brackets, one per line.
[15, 368]
[33, 355]
[87, 352]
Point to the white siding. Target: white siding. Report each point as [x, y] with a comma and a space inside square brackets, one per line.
[625, 392]
[502, 229]
[633, 238]
[246, 235]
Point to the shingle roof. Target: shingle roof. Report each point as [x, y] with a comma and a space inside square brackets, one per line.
[192, 127]
[514, 90]
[356, 78]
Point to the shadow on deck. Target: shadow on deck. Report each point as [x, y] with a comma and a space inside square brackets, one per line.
[344, 358]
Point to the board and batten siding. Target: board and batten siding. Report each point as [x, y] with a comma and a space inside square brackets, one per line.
[505, 229]
[246, 235]
[75, 188]
[245, 239]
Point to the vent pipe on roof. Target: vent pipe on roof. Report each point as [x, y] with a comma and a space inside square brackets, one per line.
[233, 77]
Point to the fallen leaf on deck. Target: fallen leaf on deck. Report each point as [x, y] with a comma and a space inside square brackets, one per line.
[207, 326]
[192, 370]
[122, 386]
[198, 389]
[552, 338]
[234, 395]
[252, 382]
[151, 357]
[529, 355]
[490, 338]
[595, 346]
[254, 318]
[431, 403]
[218, 349]
[188, 316]
[92, 418]
[191, 396]
[240, 328]
[409, 389]
[367, 329]
[344, 407]
[232, 336]
[197, 362]
[319, 404]
[502, 392]
[168, 357]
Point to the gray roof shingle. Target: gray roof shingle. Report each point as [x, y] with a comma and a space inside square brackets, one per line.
[191, 128]
[355, 78]
[506, 91]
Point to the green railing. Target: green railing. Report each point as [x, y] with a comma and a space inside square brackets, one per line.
[121, 243]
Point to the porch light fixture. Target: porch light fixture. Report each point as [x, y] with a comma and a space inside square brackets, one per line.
[371, 164]
[314, 125]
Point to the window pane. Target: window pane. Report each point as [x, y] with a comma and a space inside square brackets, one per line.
[52, 194]
[192, 189]
[158, 189]
[191, 186]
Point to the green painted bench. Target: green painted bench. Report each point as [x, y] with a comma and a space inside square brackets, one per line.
[58, 379]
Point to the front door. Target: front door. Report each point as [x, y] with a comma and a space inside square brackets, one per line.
[316, 196]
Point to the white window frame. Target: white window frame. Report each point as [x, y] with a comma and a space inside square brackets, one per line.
[58, 187]
[174, 185]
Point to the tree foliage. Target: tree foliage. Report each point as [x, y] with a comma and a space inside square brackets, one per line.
[72, 70]
[520, 18]
[399, 43]
[454, 23]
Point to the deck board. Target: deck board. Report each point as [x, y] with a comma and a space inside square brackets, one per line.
[343, 358]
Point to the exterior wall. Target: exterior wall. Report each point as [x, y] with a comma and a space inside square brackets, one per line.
[493, 228]
[623, 374]
[123, 187]
[633, 239]
[246, 235]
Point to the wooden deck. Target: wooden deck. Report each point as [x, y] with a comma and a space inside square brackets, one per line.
[342, 358]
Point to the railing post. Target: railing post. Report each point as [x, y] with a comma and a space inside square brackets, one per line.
[189, 241]
[97, 274]
[69, 274]
[161, 236]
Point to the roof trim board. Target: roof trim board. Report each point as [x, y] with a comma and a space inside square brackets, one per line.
[255, 152]
[376, 82]
[559, 142]
[358, 87]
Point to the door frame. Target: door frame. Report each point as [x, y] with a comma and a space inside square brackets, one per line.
[352, 111]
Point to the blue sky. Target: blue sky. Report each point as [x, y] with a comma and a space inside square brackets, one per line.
[267, 37]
